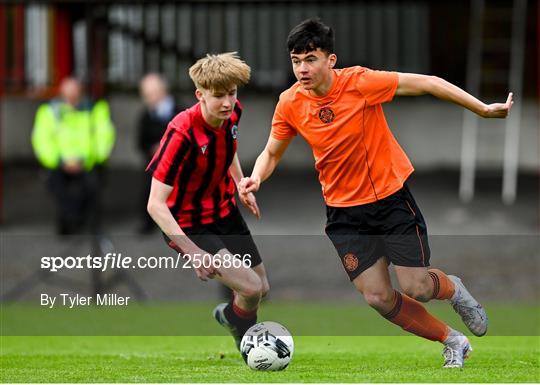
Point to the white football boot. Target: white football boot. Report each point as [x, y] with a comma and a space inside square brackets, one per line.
[471, 312]
[219, 315]
[456, 349]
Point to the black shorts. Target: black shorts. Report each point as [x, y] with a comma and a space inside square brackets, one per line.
[229, 233]
[392, 227]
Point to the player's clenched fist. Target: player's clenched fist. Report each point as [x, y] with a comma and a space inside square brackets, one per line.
[248, 185]
[499, 110]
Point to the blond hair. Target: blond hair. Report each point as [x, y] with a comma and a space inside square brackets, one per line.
[219, 72]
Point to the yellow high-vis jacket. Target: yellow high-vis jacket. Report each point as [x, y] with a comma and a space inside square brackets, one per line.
[62, 133]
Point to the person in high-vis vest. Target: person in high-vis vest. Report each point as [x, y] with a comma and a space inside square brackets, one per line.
[72, 138]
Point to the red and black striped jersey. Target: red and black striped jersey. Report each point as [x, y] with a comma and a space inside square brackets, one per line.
[194, 158]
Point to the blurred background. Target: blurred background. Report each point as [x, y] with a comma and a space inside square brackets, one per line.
[477, 181]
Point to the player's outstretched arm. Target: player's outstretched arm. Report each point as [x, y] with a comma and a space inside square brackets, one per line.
[265, 165]
[160, 213]
[416, 84]
[248, 200]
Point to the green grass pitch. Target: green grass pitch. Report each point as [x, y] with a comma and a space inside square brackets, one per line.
[214, 359]
[333, 358]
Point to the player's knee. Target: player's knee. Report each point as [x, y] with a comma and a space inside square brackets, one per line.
[379, 299]
[265, 288]
[253, 289]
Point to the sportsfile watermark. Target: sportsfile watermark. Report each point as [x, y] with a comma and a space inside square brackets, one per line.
[119, 261]
[133, 285]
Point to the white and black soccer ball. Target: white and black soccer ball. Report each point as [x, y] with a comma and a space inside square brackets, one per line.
[267, 346]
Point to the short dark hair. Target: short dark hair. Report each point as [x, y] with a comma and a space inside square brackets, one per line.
[310, 35]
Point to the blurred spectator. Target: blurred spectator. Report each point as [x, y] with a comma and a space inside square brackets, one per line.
[72, 138]
[159, 109]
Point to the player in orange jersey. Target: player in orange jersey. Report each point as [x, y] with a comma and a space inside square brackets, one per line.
[371, 213]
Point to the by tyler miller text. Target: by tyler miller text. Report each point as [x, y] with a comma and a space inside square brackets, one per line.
[76, 300]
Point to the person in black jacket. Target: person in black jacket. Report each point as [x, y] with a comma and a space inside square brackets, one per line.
[160, 108]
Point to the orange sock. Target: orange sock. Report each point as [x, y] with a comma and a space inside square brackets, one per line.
[411, 316]
[443, 288]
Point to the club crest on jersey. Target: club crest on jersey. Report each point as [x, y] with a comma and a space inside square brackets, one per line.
[326, 115]
[203, 148]
[350, 261]
[234, 131]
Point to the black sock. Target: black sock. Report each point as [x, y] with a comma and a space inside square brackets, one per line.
[241, 324]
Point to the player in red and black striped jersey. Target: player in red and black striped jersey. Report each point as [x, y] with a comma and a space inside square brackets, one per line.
[194, 177]
[194, 158]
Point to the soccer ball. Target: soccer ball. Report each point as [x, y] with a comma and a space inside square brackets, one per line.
[267, 346]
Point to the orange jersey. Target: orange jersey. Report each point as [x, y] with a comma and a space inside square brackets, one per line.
[358, 159]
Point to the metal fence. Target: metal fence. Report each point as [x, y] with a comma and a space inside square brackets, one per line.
[116, 44]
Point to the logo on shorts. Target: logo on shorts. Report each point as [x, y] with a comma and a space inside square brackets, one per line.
[234, 131]
[326, 115]
[350, 261]
[203, 148]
